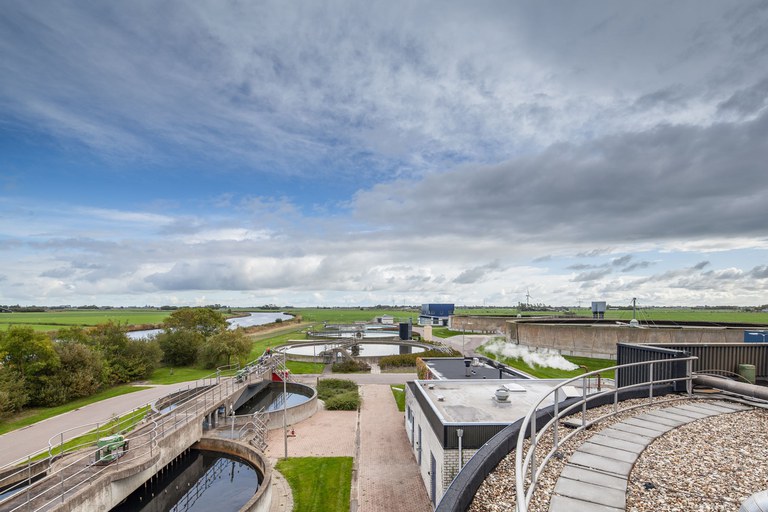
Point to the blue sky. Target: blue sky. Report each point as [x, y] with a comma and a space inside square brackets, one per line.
[345, 153]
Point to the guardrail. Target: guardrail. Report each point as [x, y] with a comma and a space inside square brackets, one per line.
[142, 443]
[527, 466]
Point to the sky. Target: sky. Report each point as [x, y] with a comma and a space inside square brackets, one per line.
[346, 153]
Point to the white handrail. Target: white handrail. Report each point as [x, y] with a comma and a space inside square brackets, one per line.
[528, 462]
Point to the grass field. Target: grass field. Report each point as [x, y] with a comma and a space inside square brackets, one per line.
[552, 373]
[57, 319]
[351, 315]
[319, 484]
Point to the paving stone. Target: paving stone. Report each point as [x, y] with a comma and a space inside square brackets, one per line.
[619, 444]
[593, 493]
[674, 415]
[661, 419]
[608, 452]
[594, 477]
[689, 410]
[613, 433]
[566, 504]
[634, 429]
[648, 424]
[613, 466]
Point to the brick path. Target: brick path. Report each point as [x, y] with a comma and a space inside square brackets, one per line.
[389, 479]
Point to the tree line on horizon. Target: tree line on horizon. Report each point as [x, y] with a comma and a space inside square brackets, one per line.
[42, 370]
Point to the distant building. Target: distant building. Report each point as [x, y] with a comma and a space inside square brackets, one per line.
[435, 314]
[385, 319]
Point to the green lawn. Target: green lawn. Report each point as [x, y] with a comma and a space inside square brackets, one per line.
[57, 319]
[319, 484]
[301, 367]
[551, 373]
[399, 394]
[30, 416]
[166, 375]
[351, 315]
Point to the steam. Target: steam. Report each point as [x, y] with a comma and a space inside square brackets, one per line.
[531, 356]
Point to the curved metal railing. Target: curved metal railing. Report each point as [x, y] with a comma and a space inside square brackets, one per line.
[529, 468]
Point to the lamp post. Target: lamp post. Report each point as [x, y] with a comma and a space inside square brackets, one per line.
[463, 335]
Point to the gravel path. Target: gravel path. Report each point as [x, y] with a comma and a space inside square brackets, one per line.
[701, 458]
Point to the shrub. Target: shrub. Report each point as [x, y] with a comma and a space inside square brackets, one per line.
[326, 388]
[348, 401]
[338, 394]
[409, 360]
[350, 366]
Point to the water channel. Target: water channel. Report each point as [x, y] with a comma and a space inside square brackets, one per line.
[198, 482]
[363, 349]
[259, 318]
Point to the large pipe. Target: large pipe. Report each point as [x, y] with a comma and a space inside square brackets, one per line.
[742, 388]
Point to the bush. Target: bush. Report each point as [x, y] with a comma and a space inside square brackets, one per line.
[409, 360]
[348, 401]
[350, 366]
[338, 394]
[327, 388]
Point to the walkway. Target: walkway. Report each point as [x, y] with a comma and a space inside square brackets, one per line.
[388, 477]
[595, 477]
[19, 443]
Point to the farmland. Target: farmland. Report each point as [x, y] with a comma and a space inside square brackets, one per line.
[56, 319]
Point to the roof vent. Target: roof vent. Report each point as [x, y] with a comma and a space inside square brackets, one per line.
[440, 398]
[502, 394]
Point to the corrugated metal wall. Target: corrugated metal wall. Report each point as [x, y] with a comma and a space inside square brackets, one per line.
[627, 353]
[721, 358]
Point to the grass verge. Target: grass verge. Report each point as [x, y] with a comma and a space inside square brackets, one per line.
[319, 484]
[30, 416]
[399, 394]
[543, 372]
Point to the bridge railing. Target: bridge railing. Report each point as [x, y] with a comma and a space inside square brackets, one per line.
[528, 467]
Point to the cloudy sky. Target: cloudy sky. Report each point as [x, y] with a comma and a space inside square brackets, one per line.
[356, 153]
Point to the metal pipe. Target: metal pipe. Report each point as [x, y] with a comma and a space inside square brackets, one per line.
[742, 388]
[460, 433]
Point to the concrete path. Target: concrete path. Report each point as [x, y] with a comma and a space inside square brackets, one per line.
[19, 443]
[596, 475]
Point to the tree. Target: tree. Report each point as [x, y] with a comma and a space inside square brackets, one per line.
[13, 391]
[222, 347]
[27, 352]
[180, 347]
[125, 359]
[206, 321]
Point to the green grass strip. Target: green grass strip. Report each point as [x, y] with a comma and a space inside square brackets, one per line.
[543, 372]
[319, 484]
[30, 416]
[399, 393]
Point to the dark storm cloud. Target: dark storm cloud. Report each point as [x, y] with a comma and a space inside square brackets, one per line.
[591, 276]
[747, 101]
[621, 261]
[473, 275]
[637, 265]
[671, 182]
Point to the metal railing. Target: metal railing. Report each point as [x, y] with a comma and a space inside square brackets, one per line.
[81, 464]
[529, 468]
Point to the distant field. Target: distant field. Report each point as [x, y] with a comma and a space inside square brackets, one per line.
[351, 315]
[57, 319]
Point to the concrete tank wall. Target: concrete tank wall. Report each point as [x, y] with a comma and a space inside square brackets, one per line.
[600, 340]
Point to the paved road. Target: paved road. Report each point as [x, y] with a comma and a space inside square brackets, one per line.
[19, 443]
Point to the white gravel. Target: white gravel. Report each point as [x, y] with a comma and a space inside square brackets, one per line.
[707, 465]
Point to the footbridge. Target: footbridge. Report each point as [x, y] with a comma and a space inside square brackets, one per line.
[78, 475]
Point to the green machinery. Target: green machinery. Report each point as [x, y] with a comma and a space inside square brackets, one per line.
[110, 448]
